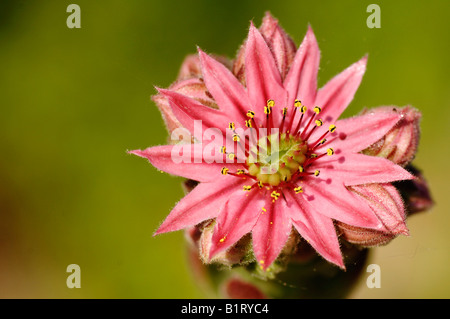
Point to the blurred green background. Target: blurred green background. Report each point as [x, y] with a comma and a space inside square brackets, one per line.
[74, 100]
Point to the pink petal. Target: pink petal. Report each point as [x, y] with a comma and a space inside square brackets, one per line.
[202, 203]
[188, 110]
[331, 198]
[357, 133]
[356, 169]
[317, 229]
[229, 94]
[195, 164]
[337, 94]
[271, 232]
[301, 81]
[387, 204]
[236, 218]
[262, 76]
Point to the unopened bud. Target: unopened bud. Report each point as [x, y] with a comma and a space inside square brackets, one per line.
[400, 144]
[387, 204]
[194, 88]
[280, 43]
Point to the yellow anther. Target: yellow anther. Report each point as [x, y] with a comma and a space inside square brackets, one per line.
[303, 109]
[223, 150]
[267, 110]
[264, 209]
[330, 151]
[231, 156]
[285, 111]
[323, 141]
[250, 114]
[231, 126]
[248, 123]
[297, 103]
[313, 155]
[260, 184]
[222, 239]
[301, 169]
[247, 188]
[236, 138]
[224, 171]
[298, 190]
[319, 122]
[332, 128]
[275, 195]
[261, 262]
[316, 172]
[317, 109]
[270, 103]
[240, 171]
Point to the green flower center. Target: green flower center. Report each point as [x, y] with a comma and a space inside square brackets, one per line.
[275, 158]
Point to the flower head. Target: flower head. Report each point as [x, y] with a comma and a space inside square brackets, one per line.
[282, 158]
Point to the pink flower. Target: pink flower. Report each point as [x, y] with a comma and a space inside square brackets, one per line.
[321, 175]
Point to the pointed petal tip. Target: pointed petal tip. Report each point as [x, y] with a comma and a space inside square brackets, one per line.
[139, 153]
[160, 90]
[341, 265]
[268, 14]
[338, 261]
[200, 52]
[363, 60]
[402, 229]
[310, 34]
[405, 232]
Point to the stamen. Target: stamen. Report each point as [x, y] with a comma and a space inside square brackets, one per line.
[303, 109]
[284, 118]
[231, 126]
[298, 189]
[250, 114]
[316, 112]
[316, 172]
[330, 151]
[275, 195]
[297, 104]
[332, 128]
[268, 112]
[224, 171]
[247, 188]
[318, 124]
